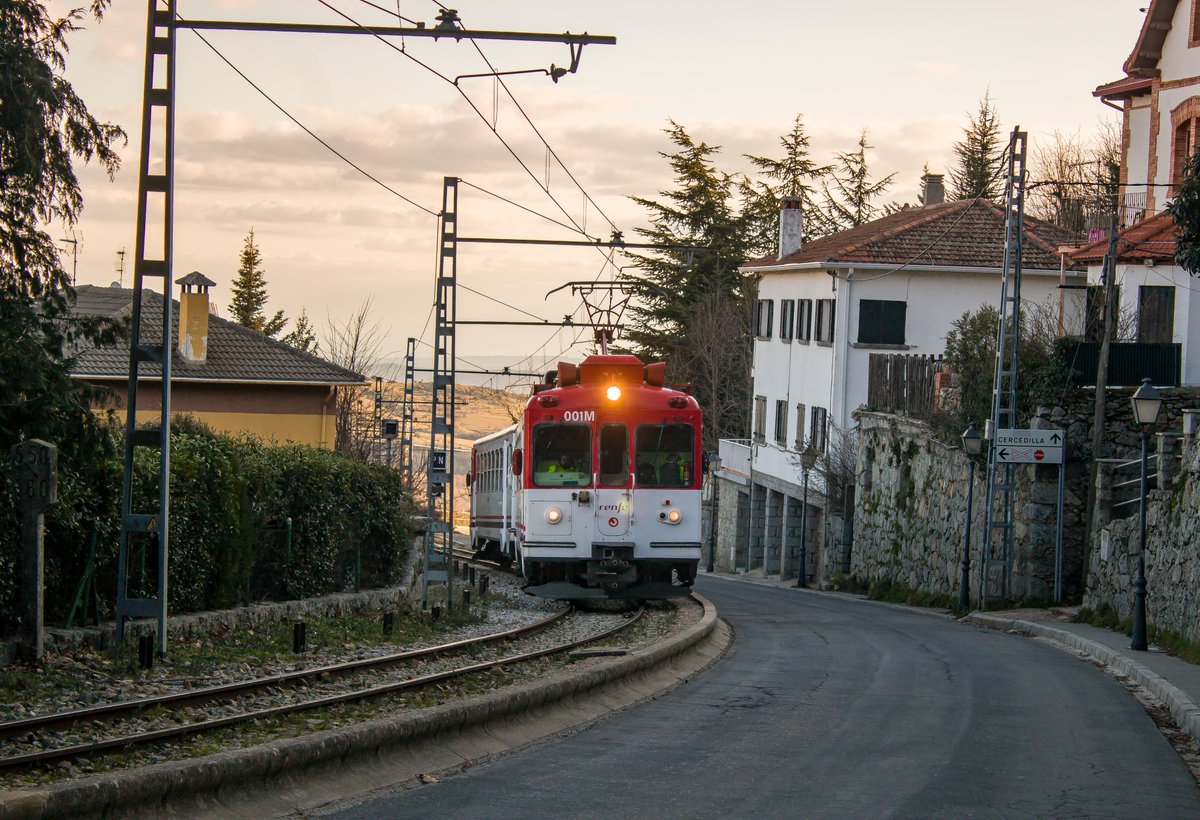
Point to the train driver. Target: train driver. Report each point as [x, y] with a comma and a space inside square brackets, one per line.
[670, 474]
[564, 465]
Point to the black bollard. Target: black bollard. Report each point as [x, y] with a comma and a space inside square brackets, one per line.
[146, 652]
[483, 584]
[389, 622]
[435, 612]
[456, 567]
[471, 578]
[466, 598]
[299, 637]
[465, 570]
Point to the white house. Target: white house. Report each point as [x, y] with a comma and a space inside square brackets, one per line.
[893, 285]
[1160, 103]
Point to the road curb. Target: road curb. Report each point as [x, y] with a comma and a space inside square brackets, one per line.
[1183, 711]
[159, 784]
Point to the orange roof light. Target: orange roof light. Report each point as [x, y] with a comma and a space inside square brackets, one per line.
[613, 393]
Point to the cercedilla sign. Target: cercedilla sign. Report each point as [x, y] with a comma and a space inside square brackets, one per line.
[1029, 446]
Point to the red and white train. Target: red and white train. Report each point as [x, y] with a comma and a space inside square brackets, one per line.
[595, 493]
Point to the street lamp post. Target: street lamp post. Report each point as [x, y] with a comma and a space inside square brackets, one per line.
[714, 465]
[972, 443]
[1146, 406]
[808, 460]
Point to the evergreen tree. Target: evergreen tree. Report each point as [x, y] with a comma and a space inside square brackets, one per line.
[303, 336]
[979, 153]
[250, 293]
[44, 126]
[793, 174]
[676, 289]
[1185, 208]
[852, 201]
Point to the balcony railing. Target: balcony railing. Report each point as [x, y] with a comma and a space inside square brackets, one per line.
[735, 455]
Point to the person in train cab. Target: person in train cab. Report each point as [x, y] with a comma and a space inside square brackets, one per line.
[563, 465]
[670, 474]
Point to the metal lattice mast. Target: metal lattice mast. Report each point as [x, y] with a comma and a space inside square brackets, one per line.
[140, 530]
[408, 414]
[377, 424]
[1001, 485]
[439, 537]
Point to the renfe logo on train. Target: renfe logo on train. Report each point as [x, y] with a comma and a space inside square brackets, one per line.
[579, 415]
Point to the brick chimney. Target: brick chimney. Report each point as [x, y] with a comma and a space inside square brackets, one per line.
[193, 316]
[934, 188]
[791, 225]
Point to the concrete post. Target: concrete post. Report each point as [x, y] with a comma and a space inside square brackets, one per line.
[1168, 462]
[35, 465]
[1104, 492]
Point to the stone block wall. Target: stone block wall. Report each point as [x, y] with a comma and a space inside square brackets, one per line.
[1172, 554]
[911, 504]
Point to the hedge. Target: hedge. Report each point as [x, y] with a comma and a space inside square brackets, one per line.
[231, 497]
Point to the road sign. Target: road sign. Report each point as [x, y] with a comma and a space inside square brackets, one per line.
[1029, 446]
[1010, 454]
[1030, 438]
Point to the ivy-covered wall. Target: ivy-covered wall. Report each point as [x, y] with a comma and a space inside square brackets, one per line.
[230, 501]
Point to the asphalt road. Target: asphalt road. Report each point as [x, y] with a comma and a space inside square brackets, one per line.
[829, 707]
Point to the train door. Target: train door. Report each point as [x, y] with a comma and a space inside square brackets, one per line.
[613, 503]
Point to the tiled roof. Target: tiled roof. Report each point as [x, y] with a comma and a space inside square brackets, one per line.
[1152, 238]
[235, 353]
[963, 234]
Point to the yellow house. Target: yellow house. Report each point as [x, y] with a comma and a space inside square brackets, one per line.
[232, 378]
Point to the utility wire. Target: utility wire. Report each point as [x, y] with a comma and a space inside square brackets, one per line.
[308, 130]
[515, 204]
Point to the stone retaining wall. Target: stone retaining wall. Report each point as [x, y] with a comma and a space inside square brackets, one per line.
[1172, 554]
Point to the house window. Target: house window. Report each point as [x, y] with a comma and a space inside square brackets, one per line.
[1156, 313]
[799, 426]
[764, 315]
[804, 320]
[1194, 37]
[781, 423]
[824, 329]
[820, 420]
[881, 321]
[787, 319]
[760, 418]
[1184, 140]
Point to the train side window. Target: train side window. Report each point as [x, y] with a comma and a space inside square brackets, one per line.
[614, 455]
[664, 455]
[562, 455]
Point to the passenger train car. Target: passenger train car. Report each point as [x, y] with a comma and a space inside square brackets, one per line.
[595, 493]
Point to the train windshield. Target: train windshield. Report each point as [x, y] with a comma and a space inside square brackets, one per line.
[562, 455]
[664, 455]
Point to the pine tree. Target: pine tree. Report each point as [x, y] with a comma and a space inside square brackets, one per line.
[676, 289]
[978, 154]
[250, 293]
[794, 174]
[303, 336]
[44, 127]
[852, 201]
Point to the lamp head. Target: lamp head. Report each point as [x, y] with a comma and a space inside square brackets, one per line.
[972, 440]
[808, 457]
[1147, 403]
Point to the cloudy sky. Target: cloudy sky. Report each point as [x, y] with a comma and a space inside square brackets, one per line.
[733, 75]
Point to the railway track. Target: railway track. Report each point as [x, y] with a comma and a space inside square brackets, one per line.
[317, 676]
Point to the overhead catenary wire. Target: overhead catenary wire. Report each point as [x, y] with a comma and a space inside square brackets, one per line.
[308, 130]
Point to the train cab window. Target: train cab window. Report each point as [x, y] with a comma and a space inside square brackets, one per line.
[562, 455]
[614, 455]
[664, 455]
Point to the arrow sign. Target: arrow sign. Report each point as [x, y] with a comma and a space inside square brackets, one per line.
[1029, 438]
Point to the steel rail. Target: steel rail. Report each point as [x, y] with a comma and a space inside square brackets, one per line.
[109, 711]
[93, 747]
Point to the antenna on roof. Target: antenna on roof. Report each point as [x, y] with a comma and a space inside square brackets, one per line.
[120, 268]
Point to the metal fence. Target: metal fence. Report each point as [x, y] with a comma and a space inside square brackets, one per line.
[1128, 363]
[903, 384]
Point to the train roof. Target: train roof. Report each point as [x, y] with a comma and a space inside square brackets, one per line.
[642, 386]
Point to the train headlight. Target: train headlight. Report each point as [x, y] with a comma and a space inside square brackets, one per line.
[613, 393]
[553, 515]
[671, 516]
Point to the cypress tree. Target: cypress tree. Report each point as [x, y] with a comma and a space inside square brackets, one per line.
[250, 293]
[978, 155]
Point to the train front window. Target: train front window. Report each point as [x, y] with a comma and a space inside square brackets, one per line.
[614, 455]
[664, 455]
[562, 455]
